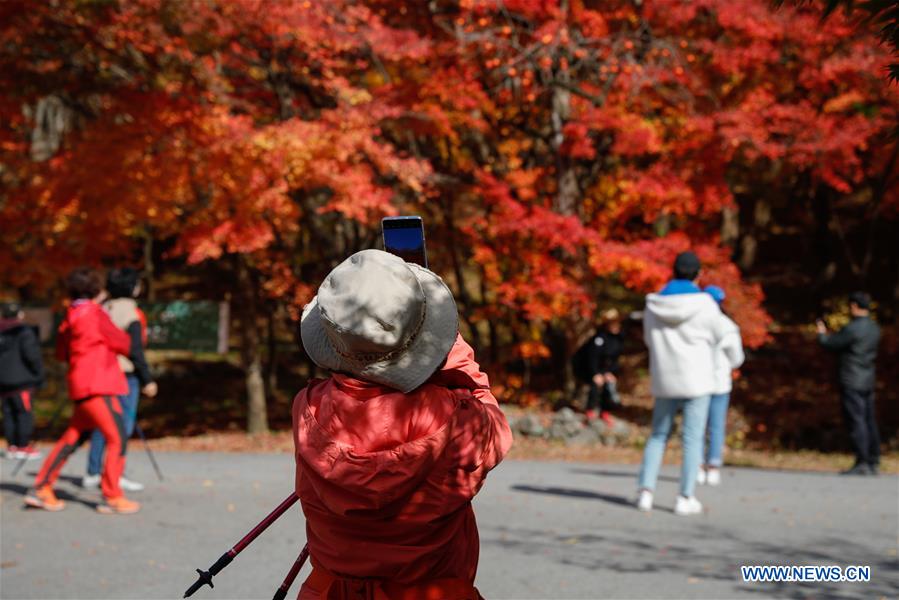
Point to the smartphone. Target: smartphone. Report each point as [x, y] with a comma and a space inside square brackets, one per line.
[405, 237]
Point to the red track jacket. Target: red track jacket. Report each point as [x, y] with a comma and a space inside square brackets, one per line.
[89, 341]
[386, 479]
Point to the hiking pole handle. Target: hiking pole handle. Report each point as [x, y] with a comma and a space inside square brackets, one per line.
[281, 592]
[205, 577]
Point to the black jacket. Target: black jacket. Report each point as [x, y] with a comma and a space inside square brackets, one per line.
[856, 345]
[605, 352]
[21, 364]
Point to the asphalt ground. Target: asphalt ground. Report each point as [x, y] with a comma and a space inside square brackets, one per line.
[548, 530]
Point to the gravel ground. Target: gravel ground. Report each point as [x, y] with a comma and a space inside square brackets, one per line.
[548, 530]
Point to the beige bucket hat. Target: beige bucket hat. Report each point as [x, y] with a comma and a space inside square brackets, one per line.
[381, 319]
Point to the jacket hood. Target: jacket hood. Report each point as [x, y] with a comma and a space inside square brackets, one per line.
[367, 448]
[675, 309]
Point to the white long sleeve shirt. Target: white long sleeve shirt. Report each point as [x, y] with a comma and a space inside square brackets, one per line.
[728, 356]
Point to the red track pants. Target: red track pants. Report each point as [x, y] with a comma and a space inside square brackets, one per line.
[99, 412]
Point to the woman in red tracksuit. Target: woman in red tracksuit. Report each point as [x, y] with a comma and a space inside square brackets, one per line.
[89, 341]
[394, 445]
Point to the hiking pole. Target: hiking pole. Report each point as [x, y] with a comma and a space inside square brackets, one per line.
[226, 558]
[140, 432]
[49, 427]
[281, 592]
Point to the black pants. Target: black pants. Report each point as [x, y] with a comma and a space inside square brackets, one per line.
[599, 399]
[858, 409]
[18, 422]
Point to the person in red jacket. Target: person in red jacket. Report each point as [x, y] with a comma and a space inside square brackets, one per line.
[89, 341]
[393, 446]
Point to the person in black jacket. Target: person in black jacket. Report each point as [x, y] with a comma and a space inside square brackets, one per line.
[603, 367]
[21, 372]
[856, 347]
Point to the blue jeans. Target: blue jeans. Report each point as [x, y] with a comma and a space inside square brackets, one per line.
[696, 411]
[129, 413]
[717, 425]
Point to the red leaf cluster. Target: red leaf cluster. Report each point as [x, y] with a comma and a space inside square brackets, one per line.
[560, 151]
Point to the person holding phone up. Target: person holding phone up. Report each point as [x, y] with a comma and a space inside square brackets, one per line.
[393, 446]
[856, 348]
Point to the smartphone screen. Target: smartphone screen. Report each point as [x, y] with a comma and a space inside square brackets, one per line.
[405, 237]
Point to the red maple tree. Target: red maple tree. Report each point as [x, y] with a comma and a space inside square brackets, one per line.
[562, 152]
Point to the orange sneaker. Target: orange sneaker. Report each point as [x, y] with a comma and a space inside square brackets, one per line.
[43, 497]
[120, 506]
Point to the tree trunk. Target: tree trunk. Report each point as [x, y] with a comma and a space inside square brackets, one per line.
[896, 288]
[257, 417]
[662, 225]
[730, 226]
[271, 366]
[462, 289]
[749, 245]
[566, 203]
[149, 267]
[556, 339]
[567, 193]
[824, 244]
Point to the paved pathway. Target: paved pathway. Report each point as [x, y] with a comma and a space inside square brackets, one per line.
[548, 530]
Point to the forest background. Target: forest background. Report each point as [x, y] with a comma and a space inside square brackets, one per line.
[561, 153]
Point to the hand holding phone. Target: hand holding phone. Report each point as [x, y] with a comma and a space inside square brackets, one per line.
[405, 237]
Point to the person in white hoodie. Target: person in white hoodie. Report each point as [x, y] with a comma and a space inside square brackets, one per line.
[728, 356]
[682, 325]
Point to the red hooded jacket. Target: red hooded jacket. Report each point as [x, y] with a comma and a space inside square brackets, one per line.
[386, 479]
[89, 341]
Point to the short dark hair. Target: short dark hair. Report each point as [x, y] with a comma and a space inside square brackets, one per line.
[686, 266]
[120, 283]
[860, 299]
[83, 282]
[10, 310]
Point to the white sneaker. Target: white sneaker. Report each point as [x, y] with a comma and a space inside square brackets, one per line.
[90, 482]
[701, 476]
[27, 453]
[644, 501]
[714, 477]
[687, 506]
[129, 485]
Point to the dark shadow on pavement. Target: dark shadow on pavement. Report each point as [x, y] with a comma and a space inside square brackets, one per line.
[26, 474]
[573, 493]
[76, 481]
[611, 547]
[631, 474]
